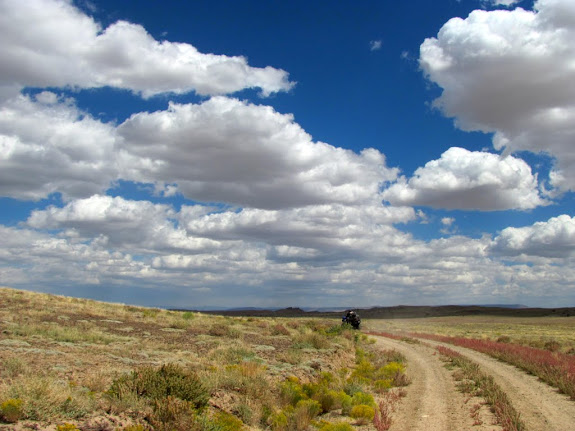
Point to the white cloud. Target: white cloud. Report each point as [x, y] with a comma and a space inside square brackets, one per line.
[121, 224]
[447, 221]
[331, 251]
[506, 3]
[63, 47]
[469, 180]
[226, 150]
[222, 150]
[552, 238]
[375, 45]
[49, 147]
[511, 72]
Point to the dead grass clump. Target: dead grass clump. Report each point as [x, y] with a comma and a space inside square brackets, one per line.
[13, 367]
[157, 383]
[311, 340]
[279, 329]
[44, 398]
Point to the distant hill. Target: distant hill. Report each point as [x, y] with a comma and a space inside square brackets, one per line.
[406, 311]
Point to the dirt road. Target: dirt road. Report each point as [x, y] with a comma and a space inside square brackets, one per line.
[434, 404]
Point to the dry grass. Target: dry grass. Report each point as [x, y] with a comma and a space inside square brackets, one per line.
[60, 356]
[552, 333]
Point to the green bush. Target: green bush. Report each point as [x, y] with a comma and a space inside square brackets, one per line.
[292, 392]
[167, 381]
[11, 410]
[346, 405]
[226, 422]
[327, 400]
[311, 407]
[342, 426]
[360, 398]
[278, 421]
[134, 427]
[362, 413]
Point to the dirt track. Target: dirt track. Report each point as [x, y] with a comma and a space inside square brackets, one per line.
[434, 404]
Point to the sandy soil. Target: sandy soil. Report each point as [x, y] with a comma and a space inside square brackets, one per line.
[541, 406]
[433, 403]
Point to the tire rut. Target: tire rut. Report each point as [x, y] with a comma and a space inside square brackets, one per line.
[542, 407]
[432, 403]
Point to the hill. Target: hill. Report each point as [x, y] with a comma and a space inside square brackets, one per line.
[408, 312]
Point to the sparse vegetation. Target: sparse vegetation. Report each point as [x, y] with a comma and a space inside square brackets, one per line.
[78, 364]
[476, 382]
[557, 369]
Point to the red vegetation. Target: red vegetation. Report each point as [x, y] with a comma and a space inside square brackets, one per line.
[554, 368]
[385, 408]
[506, 415]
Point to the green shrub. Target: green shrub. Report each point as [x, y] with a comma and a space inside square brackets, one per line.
[168, 380]
[362, 398]
[11, 410]
[346, 405]
[278, 421]
[311, 407]
[393, 368]
[342, 426]
[362, 413]
[291, 392]
[383, 385]
[134, 427]
[327, 400]
[223, 421]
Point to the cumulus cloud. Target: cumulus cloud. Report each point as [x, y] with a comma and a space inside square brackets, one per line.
[222, 150]
[511, 73]
[226, 150]
[64, 47]
[118, 223]
[272, 254]
[469, 180]
[49, 146]
[553, 238]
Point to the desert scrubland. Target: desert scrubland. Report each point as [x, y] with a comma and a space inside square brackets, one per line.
[73, 364]
[70, 364]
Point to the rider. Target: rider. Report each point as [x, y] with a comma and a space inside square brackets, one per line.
[352, 318]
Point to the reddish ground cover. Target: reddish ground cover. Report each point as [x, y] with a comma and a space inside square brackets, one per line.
[557, 369]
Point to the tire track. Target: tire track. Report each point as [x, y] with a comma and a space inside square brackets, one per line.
[542, 407]
[432, 403]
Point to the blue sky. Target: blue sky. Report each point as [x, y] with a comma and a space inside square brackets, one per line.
[289, 154]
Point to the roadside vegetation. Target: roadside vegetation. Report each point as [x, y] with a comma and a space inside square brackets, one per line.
[555, 334]
[544, 347]
[70, 364]
[473, 381]
[554, 368]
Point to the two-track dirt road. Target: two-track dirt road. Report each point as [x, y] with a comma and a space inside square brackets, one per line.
[433, 403]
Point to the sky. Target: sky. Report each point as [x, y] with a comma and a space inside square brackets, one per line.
[267, 154]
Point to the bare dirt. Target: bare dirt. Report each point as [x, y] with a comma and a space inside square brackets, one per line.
[541, 406]
[433, 402]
